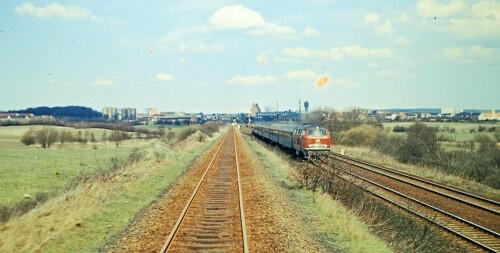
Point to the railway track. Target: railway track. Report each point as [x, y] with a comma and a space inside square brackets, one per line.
[213, 218]
[453, 210]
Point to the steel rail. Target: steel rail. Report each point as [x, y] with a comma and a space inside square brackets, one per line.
[190, 201]
[467, 238]
[240, 193]
[489, 201]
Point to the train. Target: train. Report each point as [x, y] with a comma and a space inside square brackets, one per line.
[308, 140]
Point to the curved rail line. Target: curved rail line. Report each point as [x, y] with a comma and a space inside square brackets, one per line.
[210, 221]
[480, 236]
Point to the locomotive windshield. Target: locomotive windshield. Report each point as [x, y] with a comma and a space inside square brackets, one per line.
[316, 132]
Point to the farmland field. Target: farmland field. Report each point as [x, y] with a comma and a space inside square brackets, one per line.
[462, 130]
[31, 169]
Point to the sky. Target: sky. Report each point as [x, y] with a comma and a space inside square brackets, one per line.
[222, 56]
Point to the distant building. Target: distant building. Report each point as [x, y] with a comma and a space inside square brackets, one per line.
[15, 116]
[110, 112]
[129, 114]
[493, 115]
[450, 111]
[391, 117]
[151, 111]
[254, 110]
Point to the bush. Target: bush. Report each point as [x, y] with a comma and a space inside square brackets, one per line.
[135, 155]
[186, 132]
[29, 138]
[170, 136]
[388, 143]
[364, 135]
[420, 143]
[399, 129]
[210, 127]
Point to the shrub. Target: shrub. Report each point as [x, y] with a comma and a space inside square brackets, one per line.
[135, 155]
[420, 143]
[29, 138]
[211, 127]
[399, 129]
[185, 132]
[170, 136]
[388, 143]
[161, 131]
[364, 135]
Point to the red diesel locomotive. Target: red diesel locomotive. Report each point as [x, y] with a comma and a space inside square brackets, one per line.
[309, 140]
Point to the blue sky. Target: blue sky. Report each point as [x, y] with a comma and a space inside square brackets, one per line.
[224, 55]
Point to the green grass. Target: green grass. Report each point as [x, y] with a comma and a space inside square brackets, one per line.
[31, 169]
[154, 127]
[120, 208]
[85, 218]
[462, 130]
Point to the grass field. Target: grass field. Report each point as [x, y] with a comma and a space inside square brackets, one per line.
[462, 130]
[154, 127]
[85, 218]
[31, 169]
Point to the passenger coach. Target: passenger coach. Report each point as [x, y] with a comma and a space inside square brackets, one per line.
[309, 140]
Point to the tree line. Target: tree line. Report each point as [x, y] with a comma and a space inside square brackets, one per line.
[75, 112]
[48, 136]
[478, 159]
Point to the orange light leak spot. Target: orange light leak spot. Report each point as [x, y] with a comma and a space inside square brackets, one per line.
[322, 82]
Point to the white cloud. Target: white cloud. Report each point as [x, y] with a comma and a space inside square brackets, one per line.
[361, 52]
[302, 75]
[180, 33]
[385, 29]
[402, 41]
[311, 32]
[239, 17]
[453, 52]
[403, 18]
[480, 20]
[56, 11]
[103, 82]
[386, 73]
[336, 53]
[302, 52]
[371, 18]
[296, 76]
[164, 77]
[483, 21]
[481, 52]
[199, 47]
[432, 8]
[472, 52]
[252, 80]
[346, 83]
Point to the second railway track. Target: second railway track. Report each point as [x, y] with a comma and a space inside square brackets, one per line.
[453, 210]
[213, 219]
